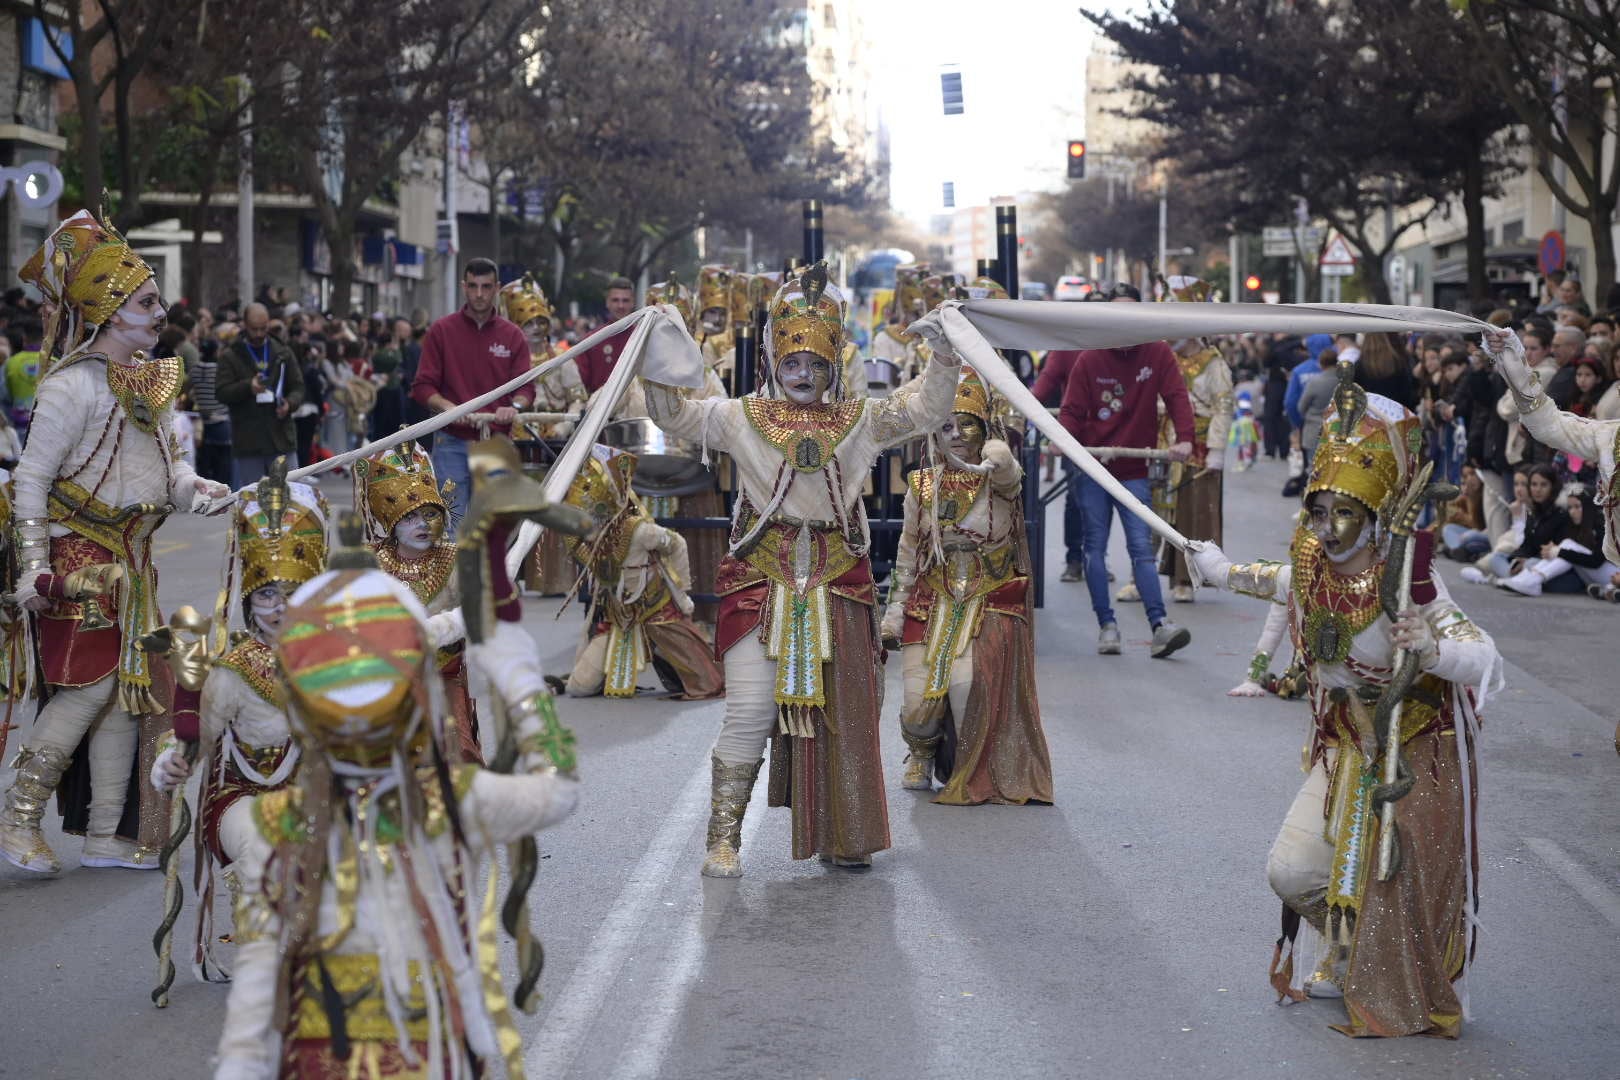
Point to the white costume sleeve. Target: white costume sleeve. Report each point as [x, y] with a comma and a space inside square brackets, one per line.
[1466, 653]
[249, 1047]
[505, 808]
[447, 627]
[917, 408]
[711, 422]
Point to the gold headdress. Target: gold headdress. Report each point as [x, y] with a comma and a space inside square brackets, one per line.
[908, 297]
[745, 297]
[972, 397]
[985, 288]
[602, 487]
[524, 299]
[1186, 289]
[672, 291]
[281, 534]
[715, 287]
[395, 482]
[86, 271]
[807, 315]
[936, 289]
[1368, 447]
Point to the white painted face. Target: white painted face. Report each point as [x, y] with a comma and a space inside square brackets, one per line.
[538, 333]
[137, 323]
[804, 377]
[714, 319]
[268, 604]
[419, 529]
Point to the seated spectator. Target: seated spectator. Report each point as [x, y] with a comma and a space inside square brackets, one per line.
[1462, 528]
[1545, 522]
[1575, 562]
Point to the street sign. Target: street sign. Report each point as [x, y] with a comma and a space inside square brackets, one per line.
[1395, 272]
[1277, 241]
[1338, 253]
[1551, 255]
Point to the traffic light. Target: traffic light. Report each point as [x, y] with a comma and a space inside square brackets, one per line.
[1077, 159]
[1253, 283]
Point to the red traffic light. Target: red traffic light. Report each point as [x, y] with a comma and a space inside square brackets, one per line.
[1077, 159]
[1077, 148]
[1252, 283]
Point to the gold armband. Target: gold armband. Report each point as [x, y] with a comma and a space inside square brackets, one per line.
[1257, 579]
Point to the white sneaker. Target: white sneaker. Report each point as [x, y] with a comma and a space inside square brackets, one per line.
[1525, 582]
[1474, 575]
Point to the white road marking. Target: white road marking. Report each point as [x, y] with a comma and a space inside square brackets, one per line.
[643, 1055]
[1592, 890]
[552, 1050]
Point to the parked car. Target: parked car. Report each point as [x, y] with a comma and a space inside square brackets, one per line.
[1072, 287]
[1033, 290]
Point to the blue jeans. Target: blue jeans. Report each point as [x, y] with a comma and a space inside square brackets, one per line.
[1074, 526]
[450, 463]
[1097, 511]
[252, 469]
[1470, 542]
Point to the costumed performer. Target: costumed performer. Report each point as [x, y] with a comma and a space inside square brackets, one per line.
[363, 947]
[797, 627]
[640, 612]
[278, 542]
[547, 570]
[959, 606]
[406, 511]
[98, 477]
[1396, 947]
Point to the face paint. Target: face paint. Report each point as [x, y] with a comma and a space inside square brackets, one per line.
[714, 319]
[538, 334]
[1342, 525]
[420, 529]
[135, 325]
[965, 435]
[269, 606]
[804, 377]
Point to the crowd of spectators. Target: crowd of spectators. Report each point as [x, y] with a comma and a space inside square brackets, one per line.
[1525, 520]
[262, 379]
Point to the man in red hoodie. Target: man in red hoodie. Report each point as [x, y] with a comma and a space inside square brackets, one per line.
[467, 354]
[1111, 399]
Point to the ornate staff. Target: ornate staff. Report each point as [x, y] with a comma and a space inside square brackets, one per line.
[184, 645]
[502, 495]
[1395, 595]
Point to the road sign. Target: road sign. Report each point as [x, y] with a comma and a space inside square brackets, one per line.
[1338, 253]
[1551, 255]
[1277, 241]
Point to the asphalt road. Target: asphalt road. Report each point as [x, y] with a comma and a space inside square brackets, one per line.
[1124, 931]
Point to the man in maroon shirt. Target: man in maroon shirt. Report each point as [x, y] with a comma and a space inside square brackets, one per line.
[1111, 399]
[1048, 390]
[465, 354]
[596, 363]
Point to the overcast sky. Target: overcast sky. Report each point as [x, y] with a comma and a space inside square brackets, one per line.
[1023, 86]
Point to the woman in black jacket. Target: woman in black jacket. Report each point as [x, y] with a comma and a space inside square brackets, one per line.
[1546, 525]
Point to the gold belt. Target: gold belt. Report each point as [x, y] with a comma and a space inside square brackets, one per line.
[357, 978]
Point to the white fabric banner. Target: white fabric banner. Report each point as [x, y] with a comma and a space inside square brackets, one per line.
[1045, 324]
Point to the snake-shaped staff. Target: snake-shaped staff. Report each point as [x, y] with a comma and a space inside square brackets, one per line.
[501, 495]
[1395, 595]
[184, 645]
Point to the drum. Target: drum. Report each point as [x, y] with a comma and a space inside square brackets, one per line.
[882, 377]
[665, 467]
